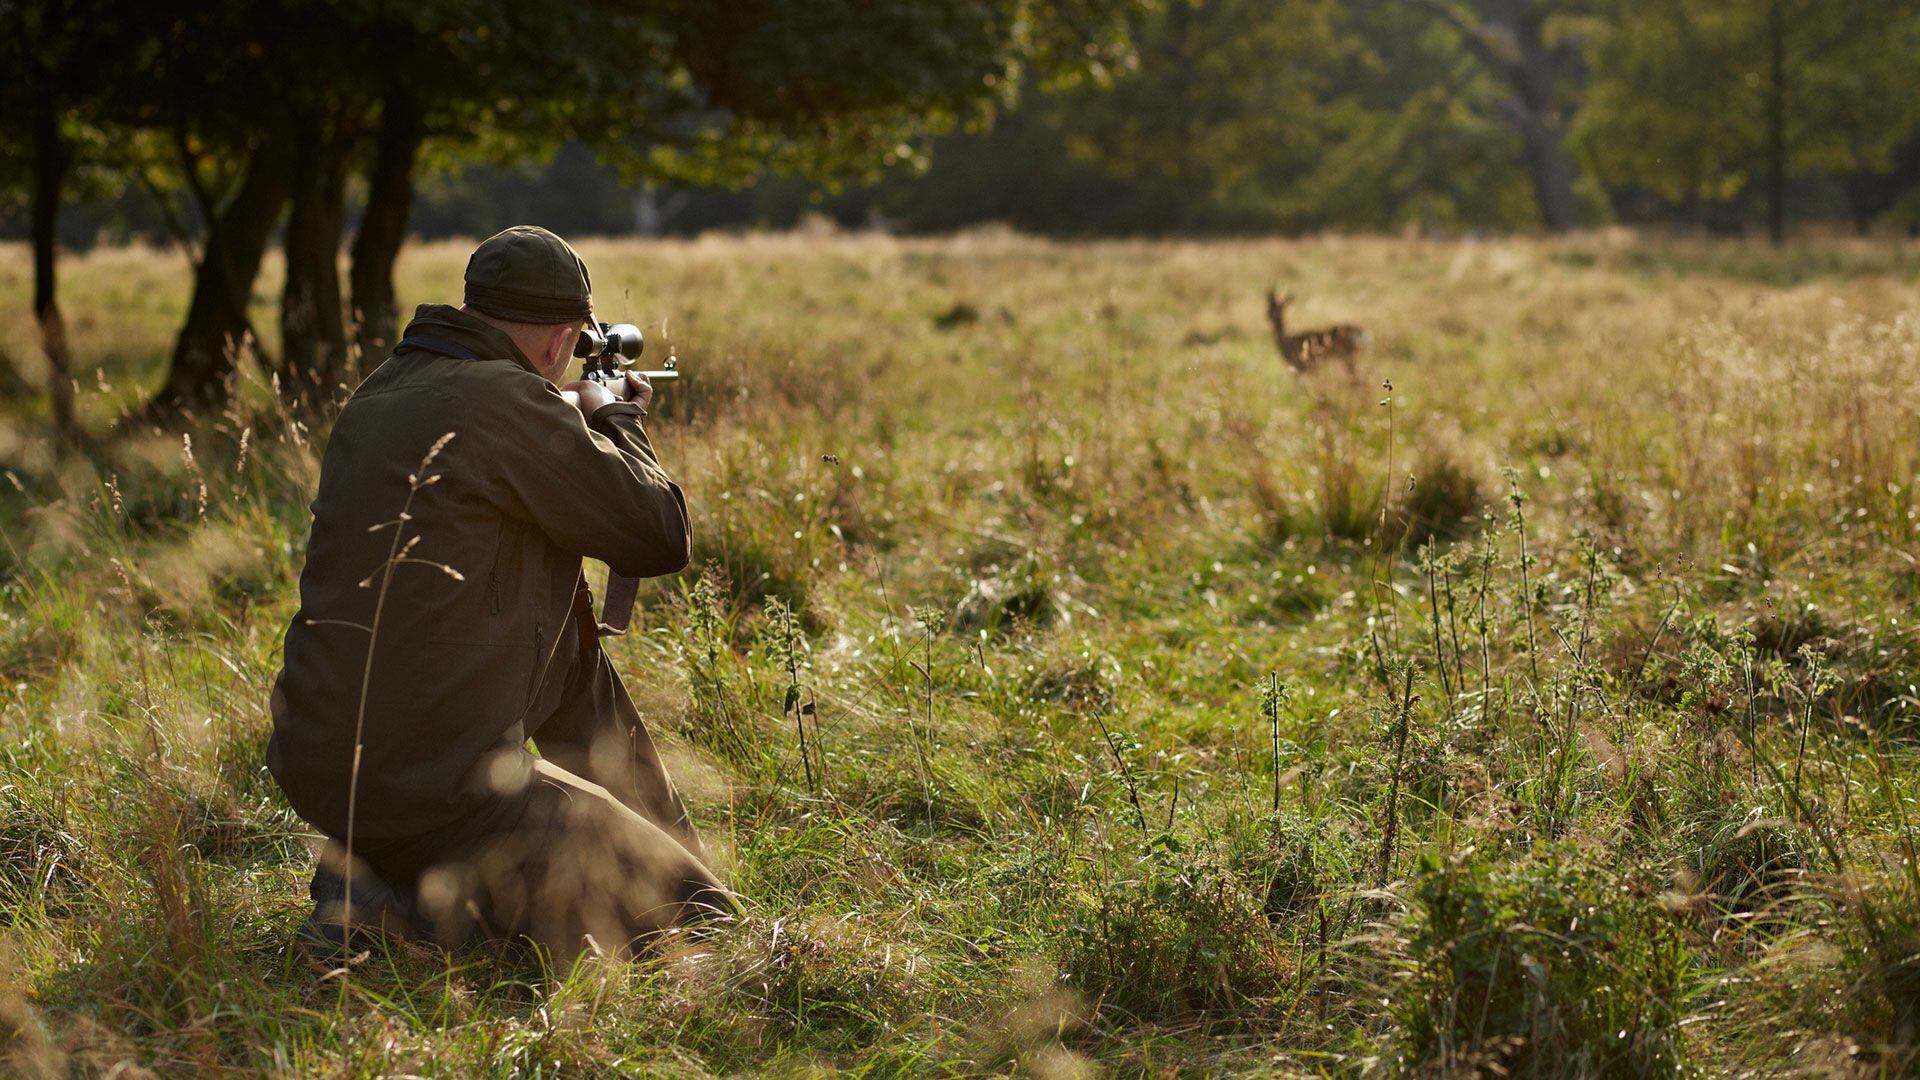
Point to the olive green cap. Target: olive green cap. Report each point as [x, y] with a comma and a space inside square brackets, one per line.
[528, 275]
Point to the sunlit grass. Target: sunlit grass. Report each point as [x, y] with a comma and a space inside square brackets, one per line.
[1041, 562]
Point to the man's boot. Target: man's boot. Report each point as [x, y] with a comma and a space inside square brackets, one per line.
[379, 909]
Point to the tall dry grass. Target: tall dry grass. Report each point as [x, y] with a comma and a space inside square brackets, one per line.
[1598, 639]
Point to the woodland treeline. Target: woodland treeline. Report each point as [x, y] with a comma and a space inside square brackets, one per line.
[324, 125]
[247, 122]
[1237, 116]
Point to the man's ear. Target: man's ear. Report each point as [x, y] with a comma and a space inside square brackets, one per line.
[558, 354]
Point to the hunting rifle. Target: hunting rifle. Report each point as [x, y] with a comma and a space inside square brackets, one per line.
[609, 350]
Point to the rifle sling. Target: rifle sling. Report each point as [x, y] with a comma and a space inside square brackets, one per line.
[617, 613]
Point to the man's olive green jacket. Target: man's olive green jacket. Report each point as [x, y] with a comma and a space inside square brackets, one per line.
[523, 489]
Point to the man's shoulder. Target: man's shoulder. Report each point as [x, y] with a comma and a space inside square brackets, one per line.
[491, 406]
[415, 373]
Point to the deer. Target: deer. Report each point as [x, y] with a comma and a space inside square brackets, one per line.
[1309, 349]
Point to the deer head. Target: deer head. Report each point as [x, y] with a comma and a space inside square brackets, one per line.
[1277, 307]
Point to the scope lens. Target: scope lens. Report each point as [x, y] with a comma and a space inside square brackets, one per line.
[625, 340]
[590, 343]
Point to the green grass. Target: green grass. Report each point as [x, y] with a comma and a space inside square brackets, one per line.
[1596, 753]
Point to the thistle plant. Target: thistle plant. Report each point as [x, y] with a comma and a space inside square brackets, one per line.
[788, 643]
[1273, 697]
[1400, 726]
[932, 620]
[721, 718]
[1517, 519]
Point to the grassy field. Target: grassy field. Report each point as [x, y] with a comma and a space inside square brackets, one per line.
[1540, 700]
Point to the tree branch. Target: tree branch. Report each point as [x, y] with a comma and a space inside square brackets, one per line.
[1478, 37]
[190, 168]
[170, 216]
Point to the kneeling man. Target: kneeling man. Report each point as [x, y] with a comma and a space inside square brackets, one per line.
[444, 621]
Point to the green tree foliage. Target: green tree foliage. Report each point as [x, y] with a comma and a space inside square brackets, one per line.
[1747, 90]
[272, 106]
[1498, 113]
[1533, 50]
[1223, 113]
[672, 88]
[849, 87]
[1241, 116]
[1416, 134]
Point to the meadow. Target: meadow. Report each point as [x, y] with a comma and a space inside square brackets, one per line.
[1539, 699]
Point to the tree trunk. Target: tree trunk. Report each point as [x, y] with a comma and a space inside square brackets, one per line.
[313, 332]
[1871, 194]
[1544, 149]
[1776, 124]
[383, 228]
[51, 158]
[218, 325]
[1517, 52]
[1697, 222]
[1534, 75]
[1187, 193]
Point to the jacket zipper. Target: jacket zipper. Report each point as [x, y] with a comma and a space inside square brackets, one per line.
[539, 659]
[493, 572]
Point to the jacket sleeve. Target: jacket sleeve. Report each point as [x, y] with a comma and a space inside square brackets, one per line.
[592, 486]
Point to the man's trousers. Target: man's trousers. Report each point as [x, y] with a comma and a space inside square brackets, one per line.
[587, 847]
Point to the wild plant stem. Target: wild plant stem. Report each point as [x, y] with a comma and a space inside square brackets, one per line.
[806, 763]
[1453, 631]
[1646, 657]
[1799, 755]
[926, 767]
[789, 644]
[1439, 642]
[1386, 504]
[1486, 647]
[415, 483]
[1379, 544]
[1126, 772]
[1391, 829]
[1526, 589]
[366, 684]
[1273, 724]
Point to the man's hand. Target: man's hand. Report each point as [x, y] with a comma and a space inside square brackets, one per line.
[639, 390]
[587, 396]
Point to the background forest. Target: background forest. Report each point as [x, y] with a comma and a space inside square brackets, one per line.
[223, 130]
[1245, 116]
